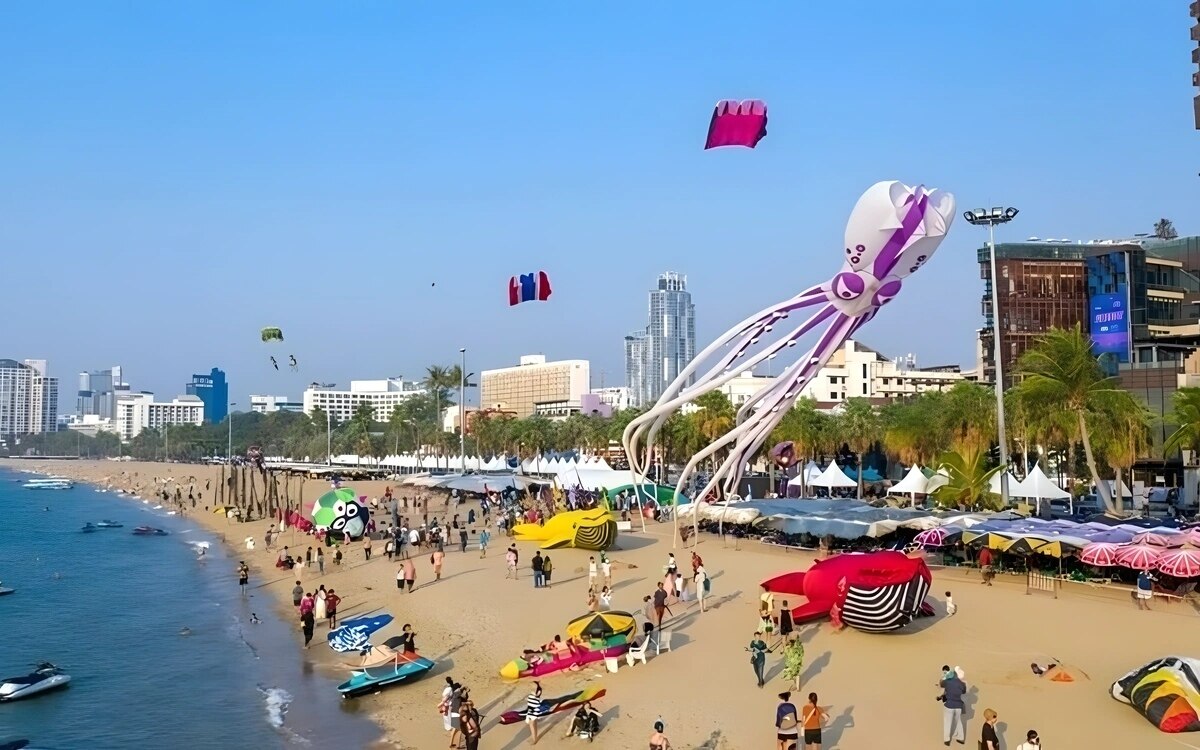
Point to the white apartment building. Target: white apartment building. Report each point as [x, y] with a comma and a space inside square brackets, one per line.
[90, 424]
[269, 404]
[383, 395]
[534, 381]
[617, 397]
[139, 411]
[43, 398]
[856, 371]
[28, 398]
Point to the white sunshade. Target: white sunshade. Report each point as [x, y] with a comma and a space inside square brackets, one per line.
[833, 477]
[1038, 485]
[1014, 486]
[914, 482]
[806, 477]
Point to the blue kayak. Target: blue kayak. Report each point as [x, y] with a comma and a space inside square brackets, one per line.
[364, 681]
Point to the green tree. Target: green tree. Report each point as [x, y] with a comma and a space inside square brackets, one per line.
[912, 428]
[1124, 436]
[969, 484]
[860, 428]
[1185, 412]
[714, 416]
[1060, 374]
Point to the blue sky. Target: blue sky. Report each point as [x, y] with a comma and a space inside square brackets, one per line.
[178, 175]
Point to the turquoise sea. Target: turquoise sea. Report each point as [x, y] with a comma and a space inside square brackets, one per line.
[109, 608]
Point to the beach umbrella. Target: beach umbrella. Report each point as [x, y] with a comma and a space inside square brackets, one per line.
[223, 509]
[600, 625]
[1024, 545]
[1180, 563]
[939, 537]
[986, 539]
[1192, 536]
[1139, 556]
[1100, 554]
[1160, 538]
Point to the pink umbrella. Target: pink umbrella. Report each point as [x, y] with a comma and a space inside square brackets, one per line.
[1192, 536]
[939, 537]
[1180, 563]
[1100, 554]
[1160, 538]
[1138, 556]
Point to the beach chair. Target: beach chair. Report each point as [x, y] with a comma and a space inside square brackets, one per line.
[636, 654]
[611, 664]
[662, 641]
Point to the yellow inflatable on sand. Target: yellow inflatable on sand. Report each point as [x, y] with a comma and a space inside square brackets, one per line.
[583, 529]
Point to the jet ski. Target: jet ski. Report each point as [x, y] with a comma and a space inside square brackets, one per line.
[149, 531]
[109, 525]
[89, 528]
[45, 678]
[372, 679]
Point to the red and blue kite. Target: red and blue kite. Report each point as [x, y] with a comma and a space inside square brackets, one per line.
[528, 287]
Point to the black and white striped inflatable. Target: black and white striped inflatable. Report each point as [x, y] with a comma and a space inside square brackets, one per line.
[877, 609]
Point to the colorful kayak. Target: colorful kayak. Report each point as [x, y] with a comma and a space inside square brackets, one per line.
[371, 679]
[554, 705]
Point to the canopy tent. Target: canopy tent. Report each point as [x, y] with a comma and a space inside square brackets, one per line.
[913, 483]
[869, 475]
[806, 476]
[833, 477]
[1014, 485]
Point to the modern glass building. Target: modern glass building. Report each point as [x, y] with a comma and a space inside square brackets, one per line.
[98, 392]
[214, 392]
[655, 358]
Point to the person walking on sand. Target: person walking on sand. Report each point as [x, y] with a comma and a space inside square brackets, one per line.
[606, 569]
[989, 740]
[547, 569]
[389, 547]
[953, 690]
[758, 657]
[367, 546]
[510, 561]
[243, 572]
[533, 711]
[444, 705]
[297, 595]
[485, 536]
[308, 623]
[787, 722]
[410, 574]
[332, 601]
[320, 561]
[701, 586]
[812, 718]
[470, 724]
[436, 557]
[308, 557]
[462, 539]
[660, 605]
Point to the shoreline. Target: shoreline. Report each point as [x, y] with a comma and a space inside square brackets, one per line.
[474, 620]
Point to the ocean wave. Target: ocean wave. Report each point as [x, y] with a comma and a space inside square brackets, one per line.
[277, 701]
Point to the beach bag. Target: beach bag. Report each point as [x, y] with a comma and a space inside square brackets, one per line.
[788, 723]
[707, 585]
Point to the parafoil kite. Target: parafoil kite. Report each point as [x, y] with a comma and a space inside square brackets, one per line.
[1166, 691]
[737, 124]
[873, 592]
[528, 287]
[784, 454]
[272, 334]
[342, 513]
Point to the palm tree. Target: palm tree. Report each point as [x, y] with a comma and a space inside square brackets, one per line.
[968, 486]
[713, 418]
[968, 417]
[860, 428]
[439, 381]
[1185, 412]
[1165, 230]
[1060, 375]
[1125, 436]
[802, 425]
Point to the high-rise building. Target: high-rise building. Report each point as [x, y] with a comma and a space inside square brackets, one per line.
[383, 395]
[139, 411]
[98, 392]
[28, 398]
[656, 357]
[269, 404]
[214, 392]
[557, 386]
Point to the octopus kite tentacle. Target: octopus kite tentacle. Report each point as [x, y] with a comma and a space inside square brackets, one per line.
[893, 231]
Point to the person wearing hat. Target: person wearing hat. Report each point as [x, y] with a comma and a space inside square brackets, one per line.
[988, 739]
[1032, 741]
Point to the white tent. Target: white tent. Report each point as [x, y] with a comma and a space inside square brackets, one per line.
[1039, 486]
[913, 483]
[1014, 487]
[833, 477]
[806, 476]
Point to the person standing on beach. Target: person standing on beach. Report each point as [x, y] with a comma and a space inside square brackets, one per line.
[758, 657]
[462, 539]
[660, 604]
[547, 569]
[786, 627]
[307, 625]
[510, 561]
[812, 718]
[332, 601]
[606, 569]
[297, 594]
[787, 722]
[410, 574]
[989, 740]
[367, 546]
[436, 557]
[243, 576]
[308, 557]
[320, 561]
[319, 603]
[536, 565]
[389, 547]
[701, 586]
[484, 537]
[953, 690]
[533, 711]
[408, 640]
[592, 572]
[1145, 589]
[470, 724]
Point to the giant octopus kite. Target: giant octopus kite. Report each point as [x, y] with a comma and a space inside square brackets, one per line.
[874, 592]
[893, 231]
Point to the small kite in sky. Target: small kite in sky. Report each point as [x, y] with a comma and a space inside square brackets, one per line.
[272, 334]
[528, 287]
[737, 124]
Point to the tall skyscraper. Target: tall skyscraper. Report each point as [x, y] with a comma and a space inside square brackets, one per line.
[98, 391]
[28, 398]
[214, 392]
[656, 357]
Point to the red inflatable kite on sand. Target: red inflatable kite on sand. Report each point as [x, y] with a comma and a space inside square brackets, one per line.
[737, 124]
[874, 592]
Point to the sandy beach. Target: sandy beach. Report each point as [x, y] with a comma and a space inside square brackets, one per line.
[879, 690]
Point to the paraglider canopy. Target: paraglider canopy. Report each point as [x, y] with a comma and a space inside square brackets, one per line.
[272, 334]
[737, 124]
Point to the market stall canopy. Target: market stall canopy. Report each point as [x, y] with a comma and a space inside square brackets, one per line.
[1014, 486]
[1036, 485]
[833, 477]
[913, 483]
[806, 476]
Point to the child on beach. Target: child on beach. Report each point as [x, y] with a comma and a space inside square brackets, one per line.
[951, 607]
[591, 572]
[605, 598]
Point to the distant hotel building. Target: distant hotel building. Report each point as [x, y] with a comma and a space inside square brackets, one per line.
[617, 397]
[655, 357]
[98, 392]
[856, 371]
[139, 411]
[269, 404]
[214, 392]
[383, 395]
[28, 398]
[558, 386]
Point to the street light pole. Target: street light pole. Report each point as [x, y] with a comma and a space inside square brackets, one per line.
[980, 217]
[328, 438]
[462, 411]
[229, 444]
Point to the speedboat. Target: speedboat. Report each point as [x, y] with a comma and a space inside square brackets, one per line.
[50, 483]
[109, 525]
[89, 528]
[371, 679]
[4, 591]
[43, 679]
[149, 531]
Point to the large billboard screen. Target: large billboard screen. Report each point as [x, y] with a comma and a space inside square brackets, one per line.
[1110, 325]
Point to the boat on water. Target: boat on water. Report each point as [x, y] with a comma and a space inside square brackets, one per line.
[89, 528]
[370, 679]
[106, 524]
[4, 591]
[149, 531]
[45, 678]
[49, 483]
